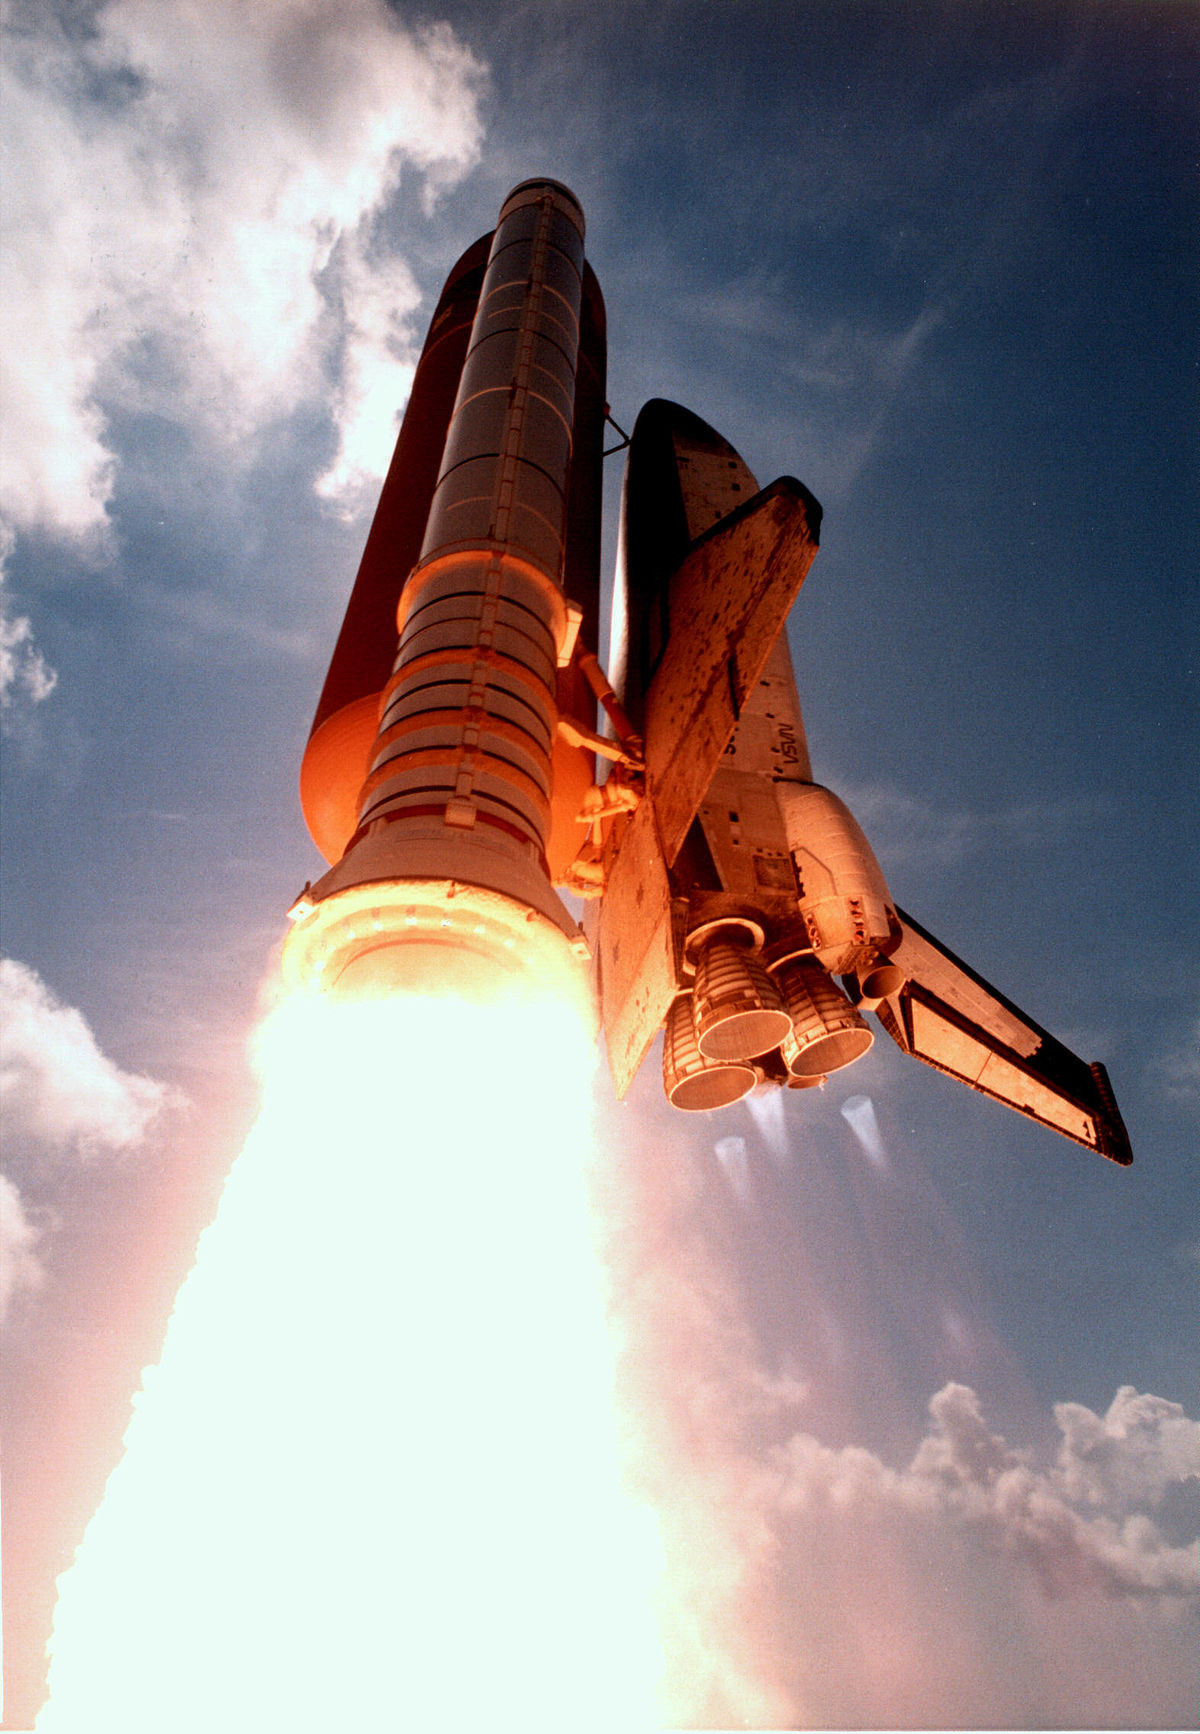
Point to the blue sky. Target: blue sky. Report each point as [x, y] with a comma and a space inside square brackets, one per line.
[939, 261]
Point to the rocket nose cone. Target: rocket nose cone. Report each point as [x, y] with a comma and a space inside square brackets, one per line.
[538, 182]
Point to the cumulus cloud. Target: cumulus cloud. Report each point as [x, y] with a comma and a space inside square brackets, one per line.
[193, 193]
[1088, 1521]
[1129, 1458]
[977, 1533]
[24, 671]
[376, 371]
[57, 1088]
[20, 1267]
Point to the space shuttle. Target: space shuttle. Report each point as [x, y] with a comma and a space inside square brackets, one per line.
[471, 764]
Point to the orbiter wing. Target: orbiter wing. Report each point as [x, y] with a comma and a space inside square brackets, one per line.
[952, 1019]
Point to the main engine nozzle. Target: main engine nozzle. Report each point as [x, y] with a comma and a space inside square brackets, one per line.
[741, 1022]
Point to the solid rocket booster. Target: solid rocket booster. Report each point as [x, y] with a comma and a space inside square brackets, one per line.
[446, 872]
[347, 716]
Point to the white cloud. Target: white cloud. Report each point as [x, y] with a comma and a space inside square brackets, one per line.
[23, 668]
[1129, 1457]
[995, 1590]
[57, 1088]
[179, 176]
[376, 373]
[24, 671]
[1087, 1523]
[20, 1267]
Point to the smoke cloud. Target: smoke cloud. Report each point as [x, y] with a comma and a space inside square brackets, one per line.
[1086, 1568]
[969, 1581]
[57, 1088]
[1090, 1522]
[192, 204]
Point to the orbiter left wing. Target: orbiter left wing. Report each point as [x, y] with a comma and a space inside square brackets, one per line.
[952, 1019]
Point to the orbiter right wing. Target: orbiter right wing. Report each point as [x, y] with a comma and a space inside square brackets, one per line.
[952, 1019]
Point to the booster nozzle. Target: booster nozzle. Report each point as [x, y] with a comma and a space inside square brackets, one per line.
[431, 937]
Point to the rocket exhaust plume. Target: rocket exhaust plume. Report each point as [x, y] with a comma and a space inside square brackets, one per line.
[376, 1479]
[396, 1495]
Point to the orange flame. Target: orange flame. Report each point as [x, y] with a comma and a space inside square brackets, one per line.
[375, 1481]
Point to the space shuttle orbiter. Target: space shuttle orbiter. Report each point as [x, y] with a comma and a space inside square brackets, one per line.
[737, 896]
[731, 902]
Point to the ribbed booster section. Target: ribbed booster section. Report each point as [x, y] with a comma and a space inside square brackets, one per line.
[448, 861]
[468, 722]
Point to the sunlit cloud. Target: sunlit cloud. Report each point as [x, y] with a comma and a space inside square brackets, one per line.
[58, 1089]
[24, 672]
[1130, 1457]
[379, 298]
[20, 1266]
[178, 180]
[1085, 1524]
[976, 1534]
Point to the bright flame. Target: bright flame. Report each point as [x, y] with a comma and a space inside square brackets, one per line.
[376, 1480]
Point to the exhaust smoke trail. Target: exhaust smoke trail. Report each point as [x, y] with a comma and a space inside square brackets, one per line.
[375, 1480]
